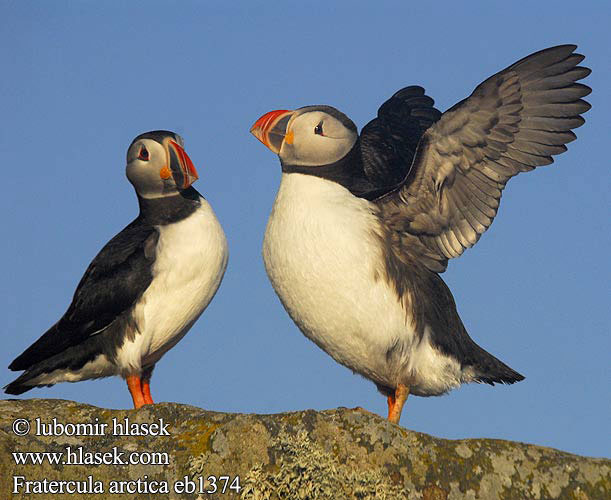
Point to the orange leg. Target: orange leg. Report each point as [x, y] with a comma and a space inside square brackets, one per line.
[135, 389]
[391, 404]
[147, 373]
[396, 402]
[146, 392]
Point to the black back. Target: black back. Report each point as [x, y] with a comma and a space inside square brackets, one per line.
[114, 281]
[380, 159]
[389, 142]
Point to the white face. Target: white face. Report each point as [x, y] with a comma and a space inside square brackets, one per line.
[148, 169]
[315, 138]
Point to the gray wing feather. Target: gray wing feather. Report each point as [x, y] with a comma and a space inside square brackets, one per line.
[513, 122]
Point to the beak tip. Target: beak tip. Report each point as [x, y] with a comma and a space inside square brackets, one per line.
[189, 171]
[258, 133]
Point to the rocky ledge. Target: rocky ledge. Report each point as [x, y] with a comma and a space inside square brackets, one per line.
[61, 449]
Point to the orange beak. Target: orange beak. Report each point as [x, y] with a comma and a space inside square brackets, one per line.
[181, 165]
[270, 129]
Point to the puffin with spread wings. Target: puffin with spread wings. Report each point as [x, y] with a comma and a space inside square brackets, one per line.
[362, 225]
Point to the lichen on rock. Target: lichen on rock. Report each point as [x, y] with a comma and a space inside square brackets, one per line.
[334, 454]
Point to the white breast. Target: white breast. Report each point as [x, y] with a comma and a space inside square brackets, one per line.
[324, 259]
[191, 257]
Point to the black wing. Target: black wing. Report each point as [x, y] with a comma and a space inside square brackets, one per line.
[112, 283]
[513, 122]
[389, 142]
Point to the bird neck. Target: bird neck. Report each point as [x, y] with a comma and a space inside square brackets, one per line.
[170, 208]
[348, 171]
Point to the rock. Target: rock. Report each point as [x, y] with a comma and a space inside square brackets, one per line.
[334, 454]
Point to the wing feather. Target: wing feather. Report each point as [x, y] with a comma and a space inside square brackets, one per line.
[513, 122]
[114, 280]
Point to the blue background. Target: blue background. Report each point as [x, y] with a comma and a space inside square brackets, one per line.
[81, 79]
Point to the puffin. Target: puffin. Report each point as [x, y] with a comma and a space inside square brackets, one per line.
[363, 224]
[144, 289]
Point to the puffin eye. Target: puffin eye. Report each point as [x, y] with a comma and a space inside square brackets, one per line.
[318, 129]
[144, 154]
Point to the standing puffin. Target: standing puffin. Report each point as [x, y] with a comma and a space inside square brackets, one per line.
[146, 287]
[362, 225]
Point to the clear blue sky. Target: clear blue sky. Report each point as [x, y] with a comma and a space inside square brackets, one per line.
[81, 79]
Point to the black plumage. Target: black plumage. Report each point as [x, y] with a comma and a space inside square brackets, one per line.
[389, 142]
[102, 303]
[431, 306]
[114, 280]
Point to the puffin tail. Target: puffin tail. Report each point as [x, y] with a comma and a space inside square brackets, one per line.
[490, 370]
[67, 366]
[18, 386]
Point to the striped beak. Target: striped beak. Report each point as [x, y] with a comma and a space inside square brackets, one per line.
[270, 129]
[182, 167]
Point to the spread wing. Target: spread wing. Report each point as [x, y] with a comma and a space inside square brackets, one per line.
[511, 123]
[114, 280]
[389, 142]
